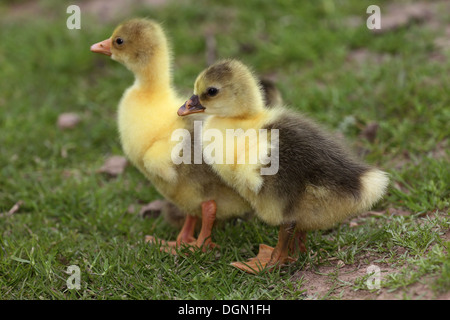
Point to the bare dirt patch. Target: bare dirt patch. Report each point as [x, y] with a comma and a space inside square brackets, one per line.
[348, 282]
[399, 15]
[340, 281]
[333, 279]
[429, 15]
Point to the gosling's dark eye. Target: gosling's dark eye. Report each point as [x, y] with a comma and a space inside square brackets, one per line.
[119, 41]
[212, 91]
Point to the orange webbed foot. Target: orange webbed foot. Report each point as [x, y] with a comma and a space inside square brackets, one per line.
[266, 260]
[170, 246]
[186, 238]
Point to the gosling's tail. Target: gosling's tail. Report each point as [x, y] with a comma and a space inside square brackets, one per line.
[374, 185]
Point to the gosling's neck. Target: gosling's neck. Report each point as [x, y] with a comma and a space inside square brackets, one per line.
[247, 110]
[253, 117]
[155, 77]
[252, 106]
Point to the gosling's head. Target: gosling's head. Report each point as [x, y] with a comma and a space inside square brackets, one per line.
[225, 89]
[134, 43]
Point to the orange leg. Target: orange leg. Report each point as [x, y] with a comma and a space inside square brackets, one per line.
[281, 252]
[186, 234]
[268, 257]
[209, 209]
[185, 237]
[298, 243]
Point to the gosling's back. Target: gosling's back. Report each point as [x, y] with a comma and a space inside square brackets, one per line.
[319, 182]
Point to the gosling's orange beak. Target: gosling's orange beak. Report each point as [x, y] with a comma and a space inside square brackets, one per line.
[191, 106]
[102, 47]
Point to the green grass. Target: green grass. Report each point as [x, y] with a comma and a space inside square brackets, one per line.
[72, 215]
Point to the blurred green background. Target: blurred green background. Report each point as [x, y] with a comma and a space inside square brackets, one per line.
[326, 63]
